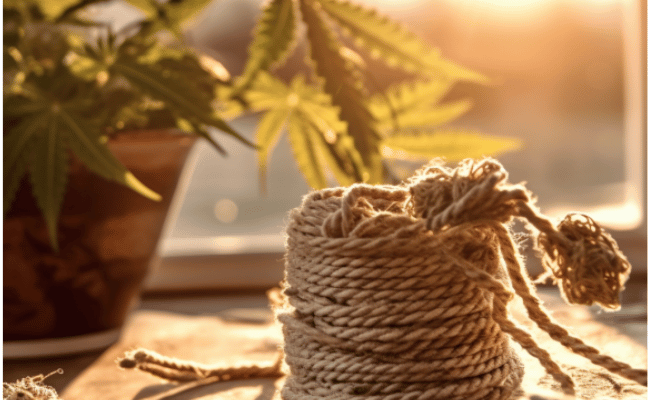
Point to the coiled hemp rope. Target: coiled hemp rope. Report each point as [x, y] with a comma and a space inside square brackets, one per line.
[400, 292]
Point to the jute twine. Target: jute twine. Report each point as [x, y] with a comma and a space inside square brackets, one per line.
[400, 292]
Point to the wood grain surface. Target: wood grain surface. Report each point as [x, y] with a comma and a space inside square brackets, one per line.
[241, 339]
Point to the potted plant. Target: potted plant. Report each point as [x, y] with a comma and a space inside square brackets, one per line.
[80, 115]
[80, 98]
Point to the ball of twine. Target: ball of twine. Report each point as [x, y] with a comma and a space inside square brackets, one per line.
[400, 292]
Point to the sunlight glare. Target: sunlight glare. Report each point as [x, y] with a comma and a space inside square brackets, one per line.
[518, 11]
[395, 4]
[622, 216]
[523, 4]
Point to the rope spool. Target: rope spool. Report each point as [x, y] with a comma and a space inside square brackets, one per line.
[398, 293]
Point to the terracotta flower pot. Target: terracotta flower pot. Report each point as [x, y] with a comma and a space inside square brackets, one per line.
[107, 237]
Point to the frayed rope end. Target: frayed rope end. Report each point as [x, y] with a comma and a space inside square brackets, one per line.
[586, 262]
[132, 358]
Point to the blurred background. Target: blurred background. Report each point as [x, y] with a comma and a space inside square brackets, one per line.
[569, 81]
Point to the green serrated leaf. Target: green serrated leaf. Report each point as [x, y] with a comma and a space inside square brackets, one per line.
[318, 106]
[85, 141]
[171, 15]
[304, 152]
[427, 116]
[387, 39]
[182, 11]
[268, 132]
[16, 149]
[199, 130]
[328, 132]
[172, 92]
[18, 137]
[229, 109]
[341, 157]
[85, 67]
[48, 175]
[380, 35]
[407, 96]
[270, 127]
[266, 92]
[12, 179]
[273, 40]
[343, 83]
[452, 145]
[162, 85]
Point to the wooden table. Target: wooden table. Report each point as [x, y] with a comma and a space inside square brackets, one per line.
[238, 329]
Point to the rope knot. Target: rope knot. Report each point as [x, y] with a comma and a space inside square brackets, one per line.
[586, 261]
[475, 190]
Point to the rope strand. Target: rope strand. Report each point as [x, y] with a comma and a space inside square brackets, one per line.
[173, 369]
[541, 317]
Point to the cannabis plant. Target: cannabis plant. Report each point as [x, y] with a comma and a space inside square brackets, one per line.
[71, 82]
[333, 122]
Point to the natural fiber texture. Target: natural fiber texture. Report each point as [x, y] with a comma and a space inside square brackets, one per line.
[30, 388]
[177, 370]
[401, 292]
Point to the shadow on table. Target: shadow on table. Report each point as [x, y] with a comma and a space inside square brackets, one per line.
[267, 392]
